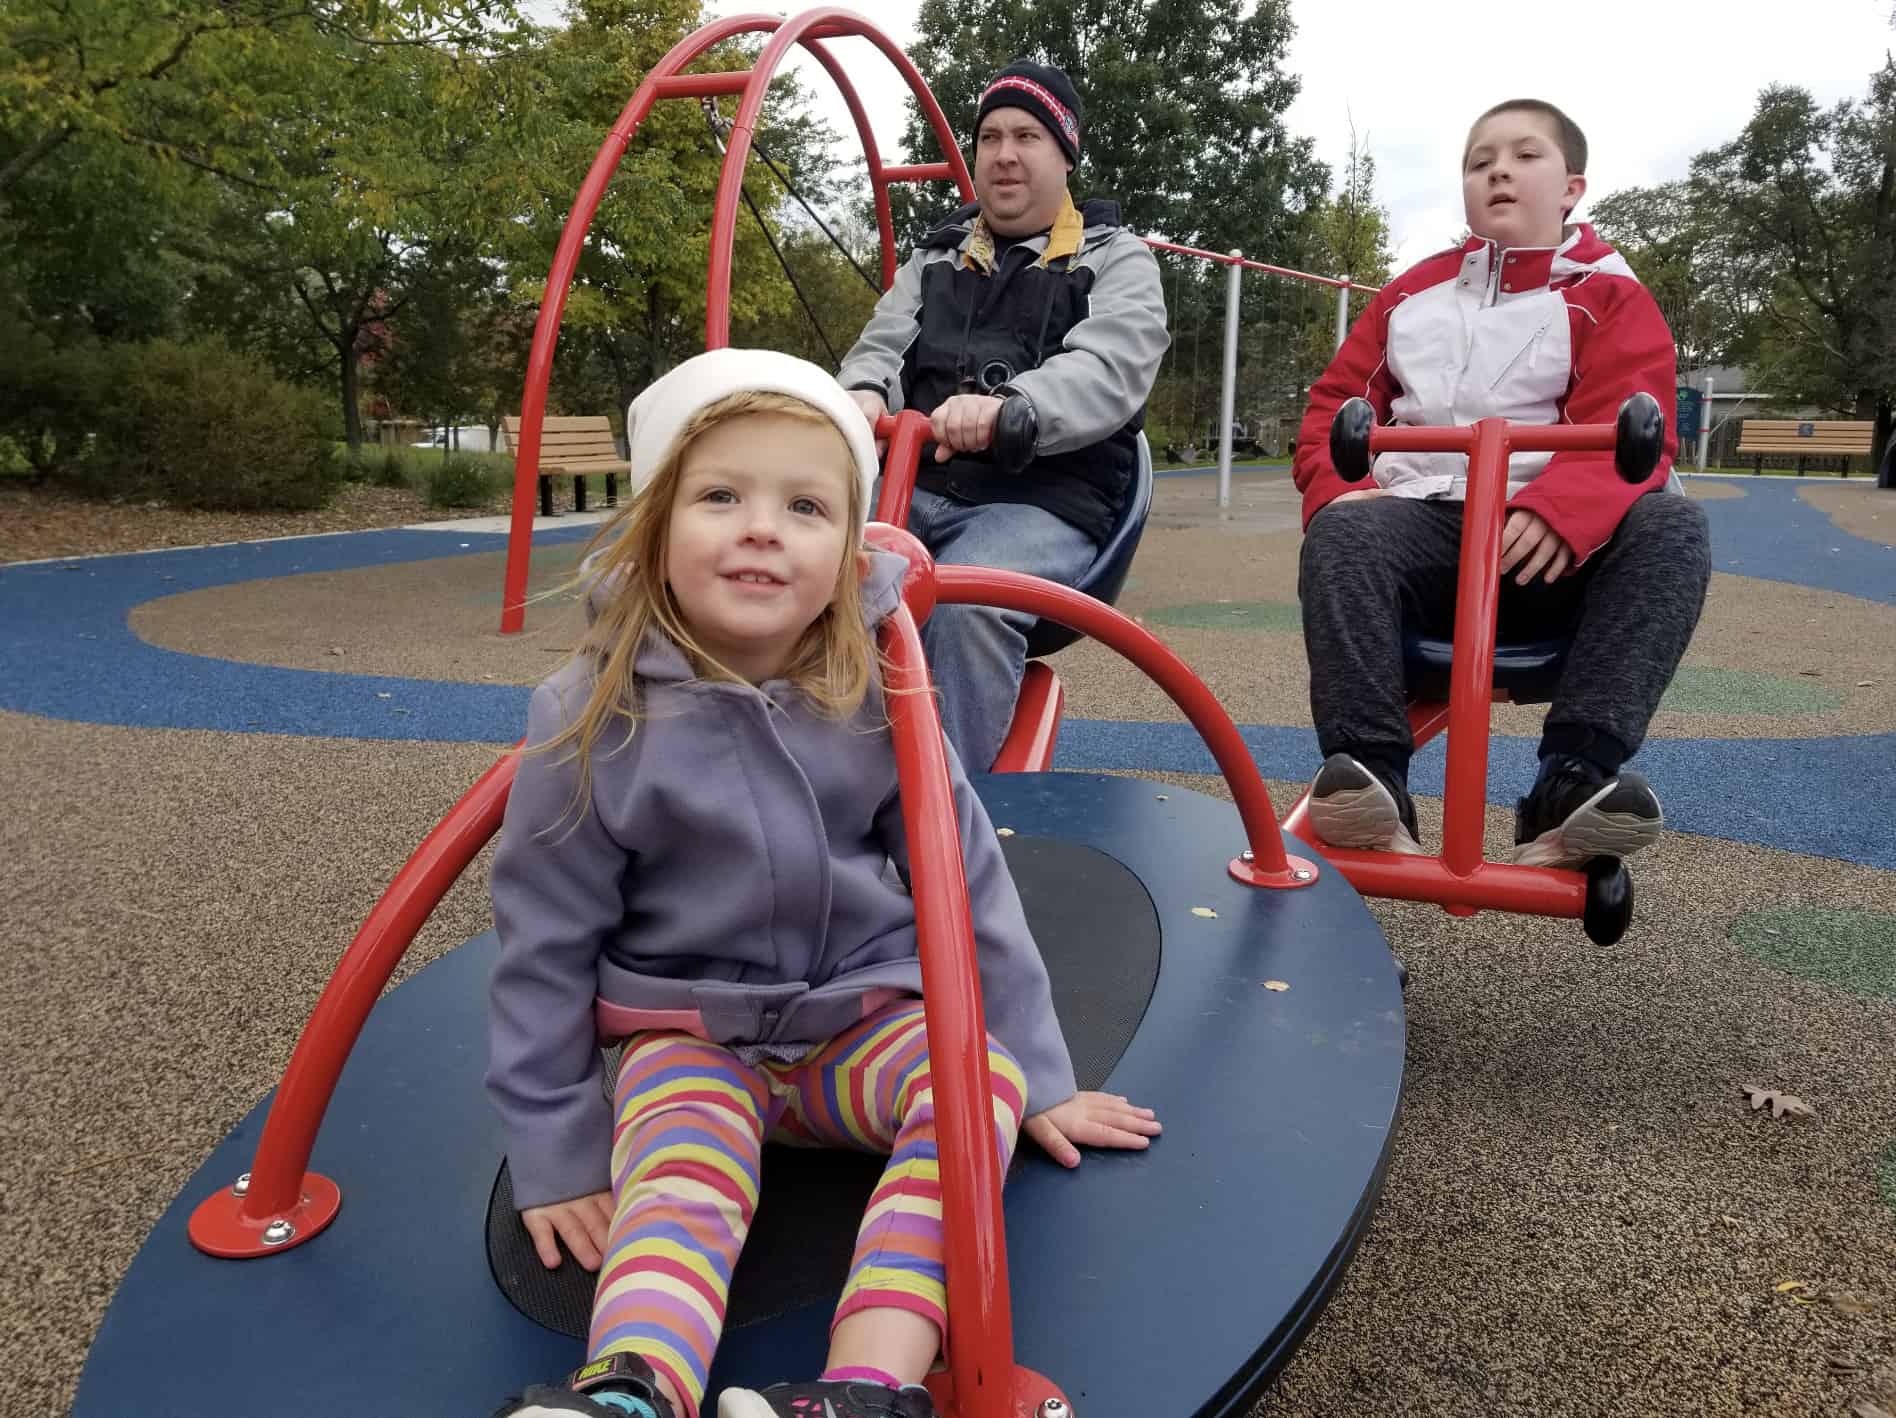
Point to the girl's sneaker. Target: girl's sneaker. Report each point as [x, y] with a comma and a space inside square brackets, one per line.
[617, 1386]
[830, 1398]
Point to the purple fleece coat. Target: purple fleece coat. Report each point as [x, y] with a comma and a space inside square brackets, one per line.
[731, 865]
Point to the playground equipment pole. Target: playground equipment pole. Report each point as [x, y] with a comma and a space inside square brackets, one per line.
[1705, 423]
[1228, 395]
[1342, 313]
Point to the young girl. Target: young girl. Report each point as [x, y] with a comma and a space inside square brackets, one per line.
[694, 860]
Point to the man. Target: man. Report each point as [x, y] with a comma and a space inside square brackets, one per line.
[1020, 292]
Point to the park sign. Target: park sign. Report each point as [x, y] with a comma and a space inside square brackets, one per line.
[1690, 401]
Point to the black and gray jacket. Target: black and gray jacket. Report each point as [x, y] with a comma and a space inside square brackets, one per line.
[1081, 337]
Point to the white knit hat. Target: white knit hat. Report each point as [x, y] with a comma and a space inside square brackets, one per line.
[659, 415]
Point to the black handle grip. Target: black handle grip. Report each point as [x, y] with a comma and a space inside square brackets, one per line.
[1349, 440]
[1639, 438]
[1016, 434]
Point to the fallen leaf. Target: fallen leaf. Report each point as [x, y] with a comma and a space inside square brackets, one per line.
[1865, 683]
[1160, 796]
[383, 694]
[1865, 1408]
[1204, 911]
[1784, 1285]
[1844, 1303]
[1277, 985]
[1782, 1104]
[1003, 832]
[335, 649]
[1729, 1220]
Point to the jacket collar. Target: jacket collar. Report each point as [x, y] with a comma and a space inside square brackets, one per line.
[1063, 238]
[1526, 268]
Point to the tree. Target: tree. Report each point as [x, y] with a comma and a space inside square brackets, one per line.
[174, 79]
[1707, 287]
[1808, 197]
[1184, 108]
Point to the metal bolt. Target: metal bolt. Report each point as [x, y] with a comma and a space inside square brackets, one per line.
[1054, 1408]
[1301, 875]
[277, 1232]
[241, 1186]
[1246, 857]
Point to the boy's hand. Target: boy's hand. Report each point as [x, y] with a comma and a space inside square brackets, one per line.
[583, 1223]
[963, 423]
[1095, 1120]
[1527, 541]
[1362, 494]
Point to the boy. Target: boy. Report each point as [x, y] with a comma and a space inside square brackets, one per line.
[1537, 321]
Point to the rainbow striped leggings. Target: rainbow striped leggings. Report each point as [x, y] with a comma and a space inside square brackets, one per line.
[686, 1148]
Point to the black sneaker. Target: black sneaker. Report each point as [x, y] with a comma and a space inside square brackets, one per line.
[617, 1386]
[1351, 806]
[834, 1398]
[1575, 813]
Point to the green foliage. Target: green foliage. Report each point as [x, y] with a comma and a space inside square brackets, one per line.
[387, 466]
[198, 425]
[456, 481]
[1779, 253]
[49, 397]
[1184, 108]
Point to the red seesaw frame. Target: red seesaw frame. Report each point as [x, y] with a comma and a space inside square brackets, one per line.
[668, 80]
[1458, 879]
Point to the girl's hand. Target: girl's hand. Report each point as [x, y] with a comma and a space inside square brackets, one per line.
[583, 1223]
[1361, 494]
[1094, 1120]
[1528, 541]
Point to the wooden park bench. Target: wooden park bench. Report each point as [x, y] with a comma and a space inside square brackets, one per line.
[1804, 439]
[575, 446]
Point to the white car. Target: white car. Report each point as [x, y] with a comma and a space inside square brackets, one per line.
[474, 438]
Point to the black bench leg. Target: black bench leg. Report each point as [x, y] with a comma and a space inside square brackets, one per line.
[1800, 467]
[546, 495]
[612, 489]
[1757, 464]
[579, 492]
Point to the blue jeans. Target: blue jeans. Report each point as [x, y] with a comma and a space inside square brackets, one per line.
[977, 655]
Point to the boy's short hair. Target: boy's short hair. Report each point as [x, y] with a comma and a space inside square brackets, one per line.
[1567, 135]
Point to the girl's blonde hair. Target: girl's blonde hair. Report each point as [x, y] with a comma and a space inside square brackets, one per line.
[834, 663]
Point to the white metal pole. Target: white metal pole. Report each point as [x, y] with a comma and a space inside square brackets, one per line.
[1228, 397]
[1342, 314]
[1705, 422]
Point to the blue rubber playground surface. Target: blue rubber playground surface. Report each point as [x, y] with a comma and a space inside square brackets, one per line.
[64, 629]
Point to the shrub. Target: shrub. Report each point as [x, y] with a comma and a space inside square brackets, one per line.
[457, 481]
[201, 425]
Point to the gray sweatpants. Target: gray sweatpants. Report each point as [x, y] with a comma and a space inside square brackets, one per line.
[1372, 569]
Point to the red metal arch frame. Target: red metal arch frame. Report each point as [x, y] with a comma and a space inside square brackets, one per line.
[668, 79]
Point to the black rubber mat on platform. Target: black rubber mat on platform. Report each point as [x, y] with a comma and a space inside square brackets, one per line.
[1100, 936]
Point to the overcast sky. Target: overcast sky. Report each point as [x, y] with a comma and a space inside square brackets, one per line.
[1651, 82]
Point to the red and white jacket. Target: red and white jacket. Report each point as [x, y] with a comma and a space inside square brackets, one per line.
[1531, 334]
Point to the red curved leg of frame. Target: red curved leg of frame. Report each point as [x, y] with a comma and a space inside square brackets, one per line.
[1265, 863]
[1035, 729]
[668, 80]
[974, 1240]
[283, 1204]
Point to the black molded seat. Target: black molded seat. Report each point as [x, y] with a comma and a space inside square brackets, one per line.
[1527, 669]
[1107, 575]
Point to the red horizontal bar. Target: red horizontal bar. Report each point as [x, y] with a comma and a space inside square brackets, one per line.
[1522, 438]
[1225, 258]
[1496, 886]
[919, 172]
[733, 81]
